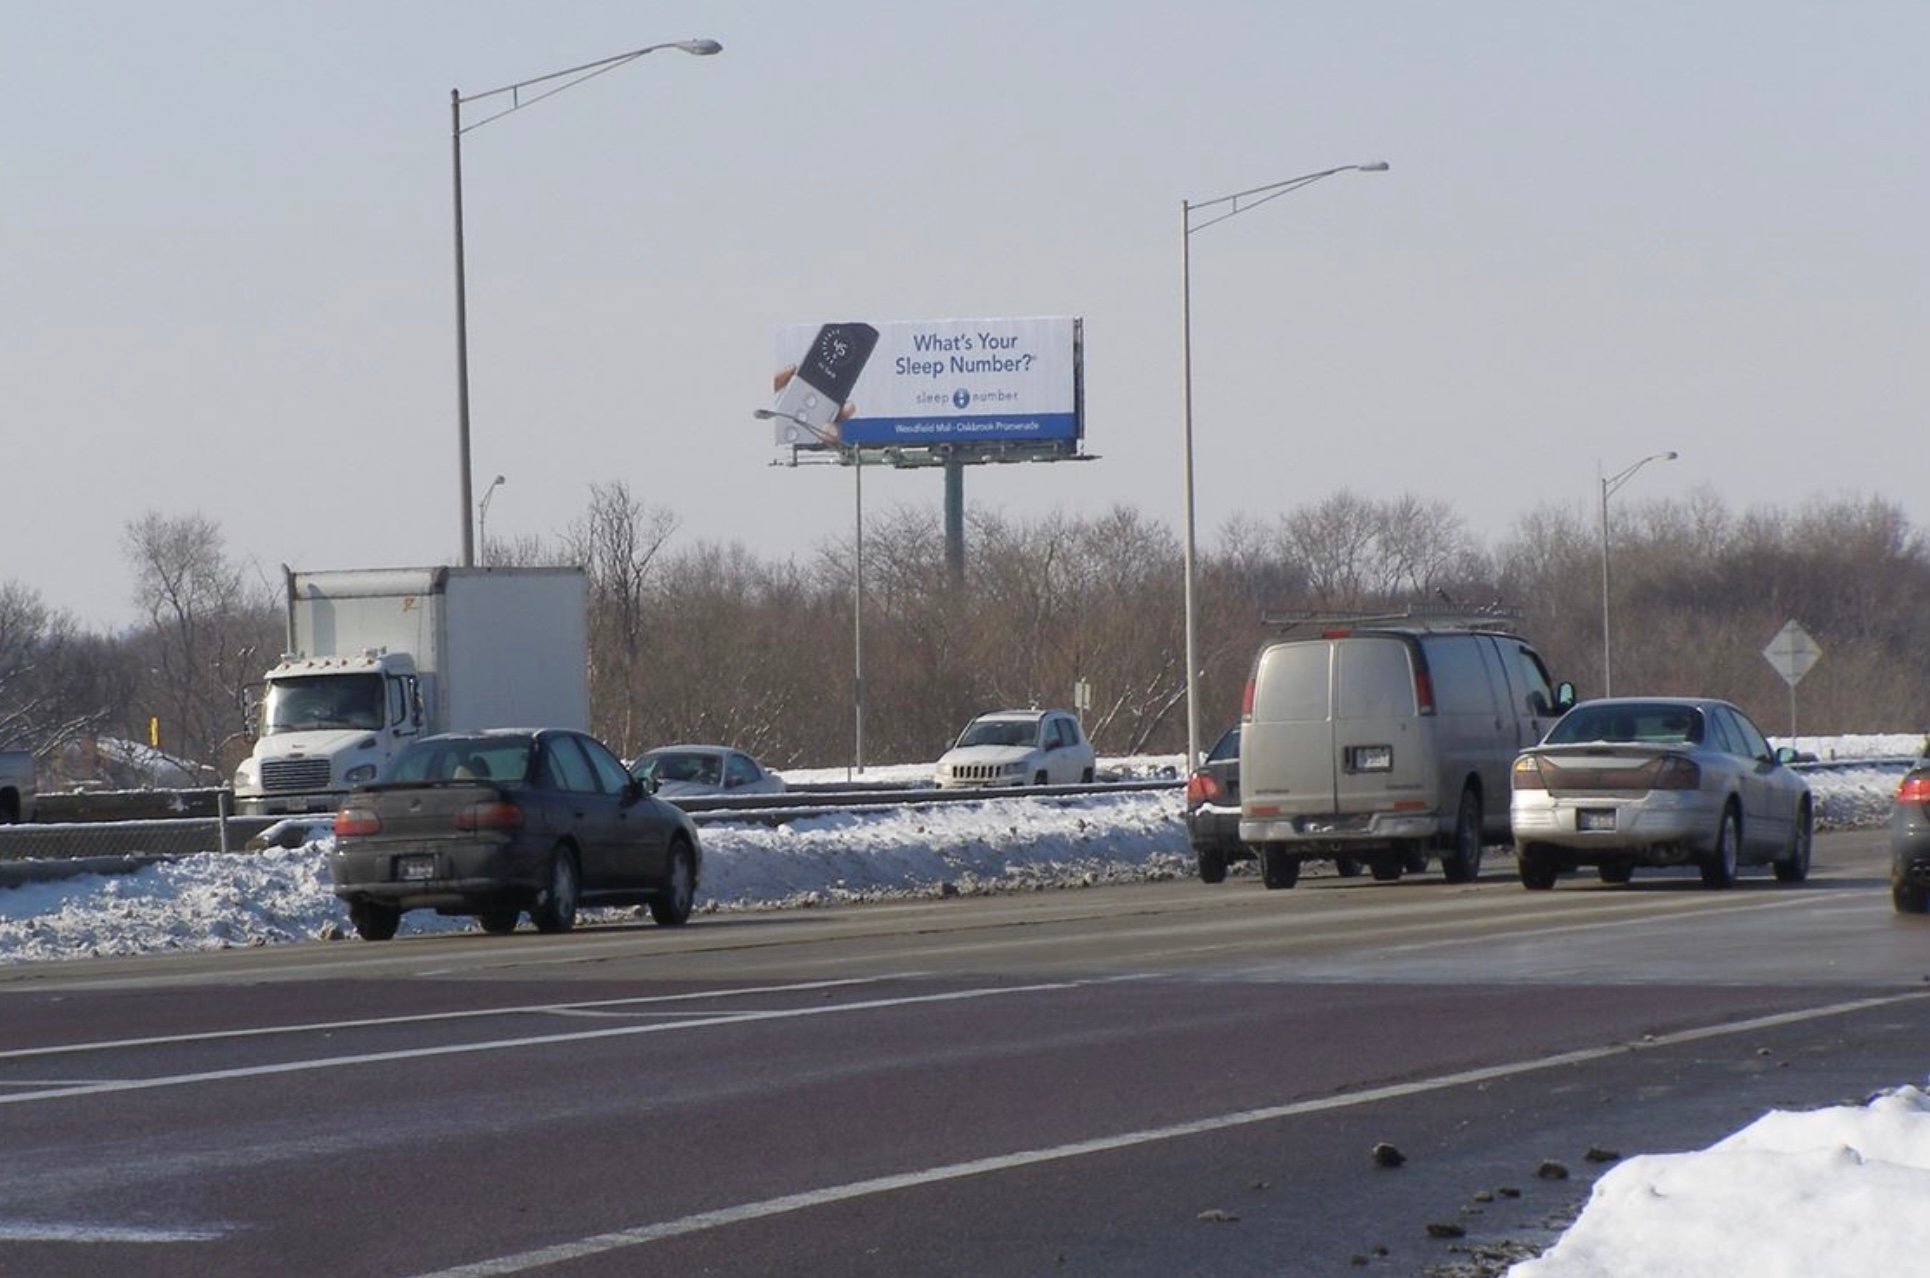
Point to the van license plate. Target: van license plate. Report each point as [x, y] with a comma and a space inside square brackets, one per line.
[1595, 819]
[415, 867]
[1371, 758]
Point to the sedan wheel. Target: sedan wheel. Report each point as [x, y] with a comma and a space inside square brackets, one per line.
[1719, 867]
[498, 922]
[1537, 866]
[555, 910]
[672, 907]
[374, 922]
[1212, 865]
[1794, 868]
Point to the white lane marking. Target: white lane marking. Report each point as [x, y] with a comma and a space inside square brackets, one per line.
[79, 1232]
[597, 1244]
[538, 1040]
[67, 1049]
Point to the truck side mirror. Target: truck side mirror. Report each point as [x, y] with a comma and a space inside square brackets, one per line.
[1564, 696]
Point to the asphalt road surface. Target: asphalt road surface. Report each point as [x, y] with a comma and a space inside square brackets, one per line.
[1160, 1079]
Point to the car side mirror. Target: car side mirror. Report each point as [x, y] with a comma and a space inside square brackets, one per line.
[1785, 755]
[1564, 696]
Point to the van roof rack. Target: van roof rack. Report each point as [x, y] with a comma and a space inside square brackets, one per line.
[1422, 616]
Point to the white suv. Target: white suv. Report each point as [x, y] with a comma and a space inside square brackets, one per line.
[1018, 747]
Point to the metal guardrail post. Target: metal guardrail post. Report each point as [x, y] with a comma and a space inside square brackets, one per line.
[221, 804]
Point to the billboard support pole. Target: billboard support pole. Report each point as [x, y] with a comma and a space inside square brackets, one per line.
[955, 522]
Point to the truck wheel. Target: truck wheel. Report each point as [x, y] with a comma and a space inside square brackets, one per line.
[1212, 865]
[374, 922]
[671, 908]
[555, 909]
[1462, 861]
[1278, 867]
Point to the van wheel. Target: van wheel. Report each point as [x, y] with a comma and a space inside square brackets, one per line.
[1462, 862]
[1039, 779]
[1085, 778]
[1538, 868]
[1388, 868]
[1212, 865]
[1278, 867]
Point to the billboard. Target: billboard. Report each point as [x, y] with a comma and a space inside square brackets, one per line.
[929, 383]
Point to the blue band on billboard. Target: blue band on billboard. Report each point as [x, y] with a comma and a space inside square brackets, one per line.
[880, 431]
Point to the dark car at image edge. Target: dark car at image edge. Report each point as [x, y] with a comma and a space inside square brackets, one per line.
[1910, 842]
[496, 823]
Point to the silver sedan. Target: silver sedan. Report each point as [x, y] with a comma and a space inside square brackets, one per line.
[1631, 781]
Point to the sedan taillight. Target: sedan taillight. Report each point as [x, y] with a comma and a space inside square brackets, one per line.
[1673, 772]
[1915, 788]
[1527, 774]
[352, 821]
[1203, 787]
[499, 815]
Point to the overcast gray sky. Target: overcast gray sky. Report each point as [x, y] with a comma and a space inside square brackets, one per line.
[1608, 229]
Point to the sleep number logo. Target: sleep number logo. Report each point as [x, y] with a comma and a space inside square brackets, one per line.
[961, 399]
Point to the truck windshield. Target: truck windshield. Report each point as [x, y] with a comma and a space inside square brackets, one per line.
[313, 702]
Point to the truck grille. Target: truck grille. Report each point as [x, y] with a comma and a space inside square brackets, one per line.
[294, 776]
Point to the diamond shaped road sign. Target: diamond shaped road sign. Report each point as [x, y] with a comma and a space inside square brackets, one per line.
[1792, 652]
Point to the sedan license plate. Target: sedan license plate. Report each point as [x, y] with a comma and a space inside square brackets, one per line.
[1595, 819]
[415, 867]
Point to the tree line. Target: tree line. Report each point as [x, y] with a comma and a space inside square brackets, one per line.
[712, 642]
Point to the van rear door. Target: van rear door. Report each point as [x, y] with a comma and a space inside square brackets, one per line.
[1378, 754]
[1286, 742]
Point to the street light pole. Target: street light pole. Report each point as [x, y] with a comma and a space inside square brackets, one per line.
[482, 516]
[558, 81]
[1238, 202]
[854, 455]
[1610, 486]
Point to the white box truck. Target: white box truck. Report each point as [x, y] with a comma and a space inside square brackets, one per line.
[379, 657]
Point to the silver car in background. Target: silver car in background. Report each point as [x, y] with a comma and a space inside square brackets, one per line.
[1631, 781]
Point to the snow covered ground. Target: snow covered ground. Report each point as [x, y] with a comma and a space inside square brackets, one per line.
[1818, 1194]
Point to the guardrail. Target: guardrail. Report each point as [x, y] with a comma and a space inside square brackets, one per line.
[45, 850]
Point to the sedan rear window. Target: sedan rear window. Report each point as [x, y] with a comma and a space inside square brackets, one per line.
[461, 759]
[1658, 723]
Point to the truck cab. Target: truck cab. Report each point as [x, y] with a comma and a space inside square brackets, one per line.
[325, 725]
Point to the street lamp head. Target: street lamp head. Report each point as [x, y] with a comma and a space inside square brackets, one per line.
[1378, 166]
[701, 48]
[1671, 455]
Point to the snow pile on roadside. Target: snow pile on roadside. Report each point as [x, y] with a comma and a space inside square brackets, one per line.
[1829, 1193]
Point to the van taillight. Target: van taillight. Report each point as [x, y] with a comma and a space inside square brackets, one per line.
[500, 815]
[1423, 690]
[1246, 701]
[351, 822]
[1915, 788]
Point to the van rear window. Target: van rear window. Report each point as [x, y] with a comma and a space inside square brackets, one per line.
[1291, 684]
[1374, 680]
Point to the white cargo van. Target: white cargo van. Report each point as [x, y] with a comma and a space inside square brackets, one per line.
[1387, 739]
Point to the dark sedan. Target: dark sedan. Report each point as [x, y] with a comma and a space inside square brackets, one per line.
[1910, 842]
[496, 823]
[1213, 809]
